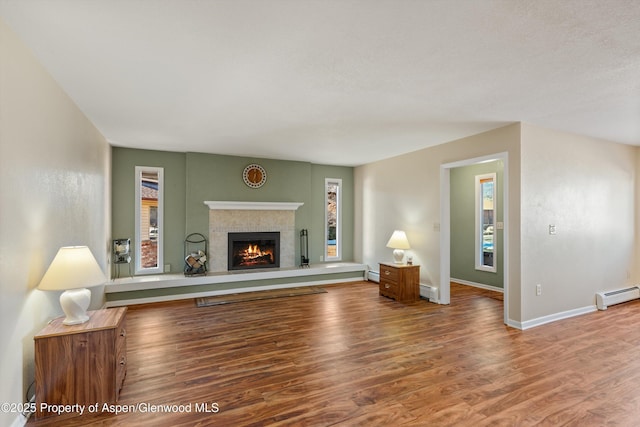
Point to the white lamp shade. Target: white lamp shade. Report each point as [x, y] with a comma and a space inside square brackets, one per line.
[399, 243]
[398, 240]
[73, 267]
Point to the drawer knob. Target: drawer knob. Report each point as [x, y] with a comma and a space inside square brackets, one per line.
[123, 361]
[123, 333]
[387, 272]
[387, 286]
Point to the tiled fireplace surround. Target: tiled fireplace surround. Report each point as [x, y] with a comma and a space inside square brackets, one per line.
[232, 217]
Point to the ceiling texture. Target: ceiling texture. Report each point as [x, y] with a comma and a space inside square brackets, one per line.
[343, 82]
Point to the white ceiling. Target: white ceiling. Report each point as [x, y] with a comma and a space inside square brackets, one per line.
[337, 81]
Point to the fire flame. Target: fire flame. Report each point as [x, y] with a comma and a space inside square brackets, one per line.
[253, 254]
[254, 251]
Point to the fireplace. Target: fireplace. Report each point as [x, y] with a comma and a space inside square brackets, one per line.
[232, 217]
[254, 250]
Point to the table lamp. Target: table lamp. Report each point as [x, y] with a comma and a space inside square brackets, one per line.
[398, 242]
[73, 270]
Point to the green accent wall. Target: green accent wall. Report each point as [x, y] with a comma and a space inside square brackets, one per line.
[123, 163]
[462, 181]
[316, 234]
[192, 178]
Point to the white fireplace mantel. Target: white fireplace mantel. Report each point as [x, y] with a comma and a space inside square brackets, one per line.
[254, 206]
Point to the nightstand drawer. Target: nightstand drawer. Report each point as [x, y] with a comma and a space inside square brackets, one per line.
[121, 339]
[388, 273]
[388, 289]
[121, 356]
[121, 372]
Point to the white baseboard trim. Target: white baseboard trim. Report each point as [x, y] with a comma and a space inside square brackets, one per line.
[174, 297]
[514, 324]
[20, 421]
[528, 324]
[478, 285]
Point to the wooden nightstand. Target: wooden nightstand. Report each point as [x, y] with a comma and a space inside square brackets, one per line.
[400, 282]
[81, 364]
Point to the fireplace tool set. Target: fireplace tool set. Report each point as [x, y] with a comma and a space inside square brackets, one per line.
[304, 248]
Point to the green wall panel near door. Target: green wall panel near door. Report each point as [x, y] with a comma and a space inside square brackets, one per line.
[462, 181]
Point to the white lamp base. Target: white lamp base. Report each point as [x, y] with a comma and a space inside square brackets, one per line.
[398, 256]
[74, 303]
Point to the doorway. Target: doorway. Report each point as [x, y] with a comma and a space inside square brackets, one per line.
[445, 225]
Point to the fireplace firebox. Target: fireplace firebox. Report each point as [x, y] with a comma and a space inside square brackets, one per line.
[254, 250]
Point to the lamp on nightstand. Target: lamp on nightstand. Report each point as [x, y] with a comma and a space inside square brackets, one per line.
[73, 270]
[398, 242]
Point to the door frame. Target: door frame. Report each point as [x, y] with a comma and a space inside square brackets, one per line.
[445, 225]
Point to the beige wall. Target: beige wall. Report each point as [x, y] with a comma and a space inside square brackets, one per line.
[586, 188]
[635, 271]
[54, 175]
[404, 193]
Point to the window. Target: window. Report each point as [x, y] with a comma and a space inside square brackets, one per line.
[486, 222]
[333, 232]
[149, 213]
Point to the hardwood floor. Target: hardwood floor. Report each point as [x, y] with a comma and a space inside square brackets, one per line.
[349, 357]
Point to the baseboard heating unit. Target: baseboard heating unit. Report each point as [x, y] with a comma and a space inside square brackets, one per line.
[607, 298]
[373, 276]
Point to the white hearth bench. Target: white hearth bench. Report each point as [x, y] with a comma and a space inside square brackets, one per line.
[168, 287]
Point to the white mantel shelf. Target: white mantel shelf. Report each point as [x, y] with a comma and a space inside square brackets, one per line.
[254, 206]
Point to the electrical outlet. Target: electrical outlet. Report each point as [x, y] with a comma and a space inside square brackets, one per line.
[538, 290]
[167, 268]
[321, 258]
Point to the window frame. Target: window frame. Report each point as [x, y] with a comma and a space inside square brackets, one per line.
[479, 227]
[159, 268]
[338, 183]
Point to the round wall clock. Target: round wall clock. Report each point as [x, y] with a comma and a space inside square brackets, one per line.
[254, 175]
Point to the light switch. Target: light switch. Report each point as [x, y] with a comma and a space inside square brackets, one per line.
[552, 229]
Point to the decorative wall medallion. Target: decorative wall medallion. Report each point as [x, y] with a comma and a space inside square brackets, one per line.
[254, 175]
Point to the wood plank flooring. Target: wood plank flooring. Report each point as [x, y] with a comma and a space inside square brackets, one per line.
[349, 357]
